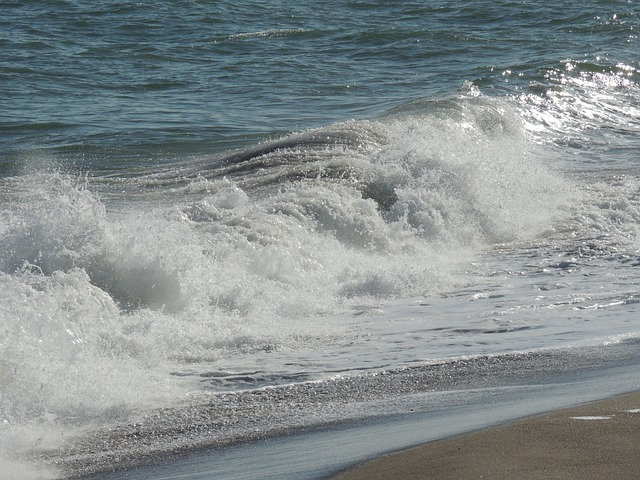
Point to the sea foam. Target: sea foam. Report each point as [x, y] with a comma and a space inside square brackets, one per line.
[105, 293]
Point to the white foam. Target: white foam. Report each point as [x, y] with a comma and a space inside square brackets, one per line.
[213, 270]
[593, 417]
[216, 274]
[17, 470]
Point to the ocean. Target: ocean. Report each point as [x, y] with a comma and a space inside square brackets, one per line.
[223, 221]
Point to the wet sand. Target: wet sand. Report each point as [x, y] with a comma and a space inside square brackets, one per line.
[429, 419]
[593, 441]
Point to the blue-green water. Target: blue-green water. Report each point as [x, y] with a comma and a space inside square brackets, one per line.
[202, 199]
[100, 82]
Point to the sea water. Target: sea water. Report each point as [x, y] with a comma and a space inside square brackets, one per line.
[255, 205]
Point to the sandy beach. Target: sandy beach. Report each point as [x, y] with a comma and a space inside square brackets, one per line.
[592, 441]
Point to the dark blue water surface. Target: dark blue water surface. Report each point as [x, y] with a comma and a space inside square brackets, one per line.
[102, 82]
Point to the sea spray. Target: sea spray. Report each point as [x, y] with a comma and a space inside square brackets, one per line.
[117, 295]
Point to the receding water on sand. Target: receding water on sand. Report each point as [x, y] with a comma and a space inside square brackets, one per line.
[429, 416]
[367, 415]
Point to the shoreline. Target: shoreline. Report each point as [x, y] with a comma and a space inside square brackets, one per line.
[595, 440]
[432, 416]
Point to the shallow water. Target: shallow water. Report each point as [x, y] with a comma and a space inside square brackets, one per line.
[412, 406]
